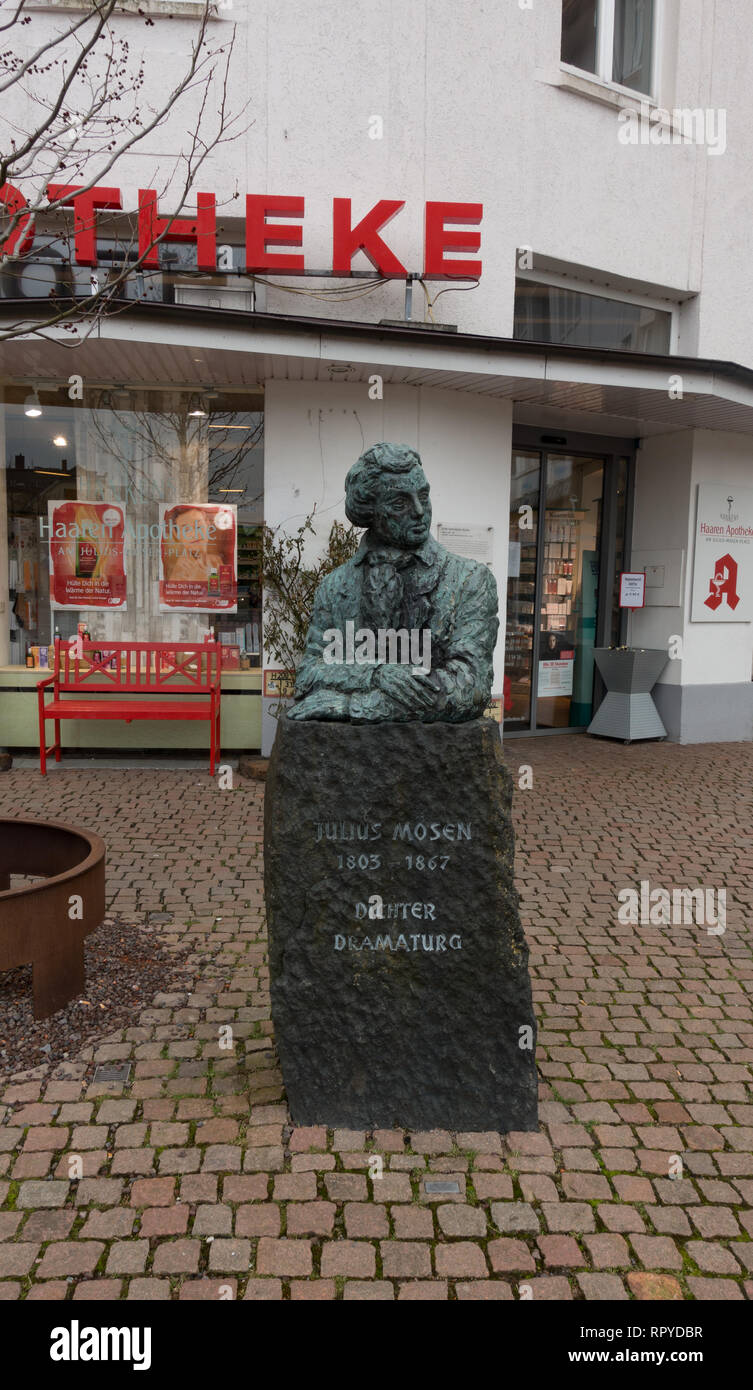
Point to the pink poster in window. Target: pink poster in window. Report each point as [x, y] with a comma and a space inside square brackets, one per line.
[198, 557]
[87, 555]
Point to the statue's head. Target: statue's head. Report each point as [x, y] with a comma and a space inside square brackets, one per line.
[387, 491]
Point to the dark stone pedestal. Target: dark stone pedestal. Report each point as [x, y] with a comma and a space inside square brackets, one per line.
[412, 1019]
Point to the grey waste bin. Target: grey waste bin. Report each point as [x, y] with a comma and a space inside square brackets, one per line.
[627, 710]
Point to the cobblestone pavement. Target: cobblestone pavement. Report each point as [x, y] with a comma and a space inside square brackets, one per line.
[194, 1183]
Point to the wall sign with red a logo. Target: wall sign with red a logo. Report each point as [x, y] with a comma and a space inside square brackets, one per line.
[723, 564]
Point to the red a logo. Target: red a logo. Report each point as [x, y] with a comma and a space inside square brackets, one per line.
[723, 584]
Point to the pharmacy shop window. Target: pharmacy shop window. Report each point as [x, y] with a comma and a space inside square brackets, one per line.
[134, 513]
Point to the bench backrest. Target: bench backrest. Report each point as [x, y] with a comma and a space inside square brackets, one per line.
[138, 667]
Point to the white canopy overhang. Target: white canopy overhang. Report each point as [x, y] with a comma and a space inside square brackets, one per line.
[170, 347]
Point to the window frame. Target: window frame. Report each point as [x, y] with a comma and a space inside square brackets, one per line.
[566, 282]
[605, 21]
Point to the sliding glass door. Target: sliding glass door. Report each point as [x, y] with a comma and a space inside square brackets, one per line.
[568, 512]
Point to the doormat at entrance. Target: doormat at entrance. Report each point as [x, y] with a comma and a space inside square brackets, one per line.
[126, 964]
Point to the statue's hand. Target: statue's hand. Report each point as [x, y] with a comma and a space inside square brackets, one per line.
[320, 704]
[409, 690]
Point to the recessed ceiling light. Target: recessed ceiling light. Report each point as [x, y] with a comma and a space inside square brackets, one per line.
[60, 440]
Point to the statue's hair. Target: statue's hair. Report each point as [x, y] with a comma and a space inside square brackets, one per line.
[362, 481]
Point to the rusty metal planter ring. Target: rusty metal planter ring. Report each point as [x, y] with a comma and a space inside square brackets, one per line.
[36, 926]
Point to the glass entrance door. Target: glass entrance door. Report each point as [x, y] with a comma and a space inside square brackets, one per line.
[567, 523]
[568, 598]
[521, 588]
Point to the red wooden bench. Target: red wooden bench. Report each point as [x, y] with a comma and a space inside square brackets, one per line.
[132, 680]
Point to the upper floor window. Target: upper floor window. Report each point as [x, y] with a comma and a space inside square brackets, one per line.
[552, 313]
[614, 39]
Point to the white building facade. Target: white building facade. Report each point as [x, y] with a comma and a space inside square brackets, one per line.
[580, 387]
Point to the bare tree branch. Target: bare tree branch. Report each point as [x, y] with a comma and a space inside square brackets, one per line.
[102, 134]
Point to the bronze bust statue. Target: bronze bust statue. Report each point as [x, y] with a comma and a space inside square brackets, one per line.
[404, 631]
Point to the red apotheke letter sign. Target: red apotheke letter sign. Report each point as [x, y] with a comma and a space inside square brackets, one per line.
[202, 229]
[260, 234]
[84, 204]
[23, 232]
[346, 239]
[439, 239]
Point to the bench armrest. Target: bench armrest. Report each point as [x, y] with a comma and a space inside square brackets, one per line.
[48, 681]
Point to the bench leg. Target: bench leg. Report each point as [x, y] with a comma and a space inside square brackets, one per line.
[57, 740]
[57, 978]
[42, 748]
[215, 753]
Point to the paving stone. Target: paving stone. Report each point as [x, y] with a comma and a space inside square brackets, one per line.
[115, 1224]
[405, 1259]
[234, 1189]
[346, 1187]
[164, 1221]
[177, 1257]
[42, 1194]
[668, 1221]
[214, 1220]
[362, 1219]
[313, 1218]
[222, 1158]
[98, 1291]
[284, 1257]
[607, 1251]
[312, 1290]
[229, 1255]
[71, 1257]
[53, 1291]
[656, 1252]
[714, 1290]
[606, 1288]
[313, 1137]
[495, 1185]
[412, 1223]
[295, 1187]
[148, 1290]
[368, 1291]
[561, 1252]
[460, 1260]
[456, 1220]
[128, 1257]
[621, 1218]
[553, 1288]
[46, 1225]
[507, 1255]
[423, 1291]
[263, 1291]
[148, 1192]
[715, 1221]
[711, 1257]
[208, 1290]
[17, 1258]
[263, 1160]
[568, 1216]
[9, 1223]
[484, 1291]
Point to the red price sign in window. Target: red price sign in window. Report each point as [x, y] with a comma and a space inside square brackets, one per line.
[633, 589]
